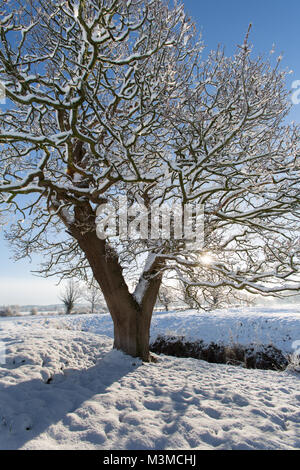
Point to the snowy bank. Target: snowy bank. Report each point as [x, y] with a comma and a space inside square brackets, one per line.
[278, 326]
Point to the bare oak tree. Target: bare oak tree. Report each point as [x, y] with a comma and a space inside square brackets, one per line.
[111, 97]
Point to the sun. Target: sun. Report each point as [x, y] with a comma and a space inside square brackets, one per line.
[206, 259]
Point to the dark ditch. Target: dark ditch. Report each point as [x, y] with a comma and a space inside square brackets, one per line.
[250, 357]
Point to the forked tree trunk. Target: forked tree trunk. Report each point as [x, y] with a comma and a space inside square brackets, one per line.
[131, 319]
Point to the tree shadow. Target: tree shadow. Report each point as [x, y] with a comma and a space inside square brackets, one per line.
[29, 408]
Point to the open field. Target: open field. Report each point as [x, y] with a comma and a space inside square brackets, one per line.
[63, 387]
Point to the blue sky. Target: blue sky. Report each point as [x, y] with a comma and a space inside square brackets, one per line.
[221, 22]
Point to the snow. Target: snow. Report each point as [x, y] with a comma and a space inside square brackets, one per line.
[259, 325]
[277, 326]
[63, 387]
[143, 283]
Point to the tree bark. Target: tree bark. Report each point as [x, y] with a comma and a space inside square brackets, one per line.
[131, 319]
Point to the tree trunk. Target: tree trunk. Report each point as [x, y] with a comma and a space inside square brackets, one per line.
[131, 319]
[132, 335]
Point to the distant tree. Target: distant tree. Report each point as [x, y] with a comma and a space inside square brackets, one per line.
[165, 296]
[70, 295]
[6, 312]
[15, 309]
[34, 311]
[190, 297]
[94, 297]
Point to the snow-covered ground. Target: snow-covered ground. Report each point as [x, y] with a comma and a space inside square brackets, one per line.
[63, 387]
[278, 326]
